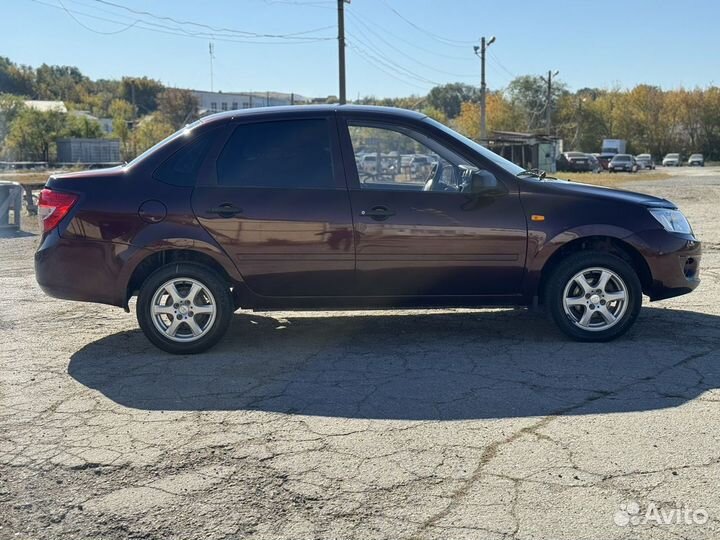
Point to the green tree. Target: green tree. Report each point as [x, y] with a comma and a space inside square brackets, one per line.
[10, 108]
[79, 125]
[122, 114]
[14, 79]
[448, 98]
[436, 114]
[528, 94]
[150, 130]
[179, 107]
[63, 83]
[32, 134]
[142, 92]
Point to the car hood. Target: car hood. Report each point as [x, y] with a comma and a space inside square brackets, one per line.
[620, 195]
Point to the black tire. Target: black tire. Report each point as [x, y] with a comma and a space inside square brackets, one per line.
[562, 275]
[216, 327]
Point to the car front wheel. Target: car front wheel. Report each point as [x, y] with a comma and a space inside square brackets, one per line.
[593, 296]
[184, 308]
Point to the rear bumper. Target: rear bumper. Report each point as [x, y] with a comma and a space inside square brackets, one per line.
[82, 270]
[673, 260]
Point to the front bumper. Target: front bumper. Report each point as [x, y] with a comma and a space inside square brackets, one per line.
[673, 260]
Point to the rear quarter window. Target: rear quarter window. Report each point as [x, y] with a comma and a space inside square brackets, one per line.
[181, 169]
[278, 154]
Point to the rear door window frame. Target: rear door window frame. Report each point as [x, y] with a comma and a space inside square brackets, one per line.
[209, 176]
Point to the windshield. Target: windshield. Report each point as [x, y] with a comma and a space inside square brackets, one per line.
[179, 133]
[673, 156]
[509, 166]
[621, 158]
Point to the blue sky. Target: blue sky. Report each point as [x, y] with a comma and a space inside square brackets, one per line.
[395, 47]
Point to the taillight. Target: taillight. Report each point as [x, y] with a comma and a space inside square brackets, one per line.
[53, 206]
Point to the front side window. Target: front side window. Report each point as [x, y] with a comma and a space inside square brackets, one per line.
[396, 158]
[293, 154]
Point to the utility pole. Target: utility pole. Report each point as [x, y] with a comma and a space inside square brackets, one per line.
[211, 48]
[548, 106]
[480, 51]
[341, 47]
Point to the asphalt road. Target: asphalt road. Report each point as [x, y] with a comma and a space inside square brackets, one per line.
[428, 425]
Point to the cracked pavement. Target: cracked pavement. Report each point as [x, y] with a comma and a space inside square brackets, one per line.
[369, 425]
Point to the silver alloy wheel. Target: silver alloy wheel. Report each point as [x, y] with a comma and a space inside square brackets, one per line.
[183, 309]
[595, 299]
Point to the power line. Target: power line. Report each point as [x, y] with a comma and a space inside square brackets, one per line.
[207, 26]
[402, 53]
[392, 34]
[382, 57]
[369, 60]
[497, 61]
[442, 39]
[175, 31]
[128, 27]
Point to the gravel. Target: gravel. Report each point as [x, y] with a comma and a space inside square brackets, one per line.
[392, 424]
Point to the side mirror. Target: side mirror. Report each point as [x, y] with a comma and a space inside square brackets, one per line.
[483, 182]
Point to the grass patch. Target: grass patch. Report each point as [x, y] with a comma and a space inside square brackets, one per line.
[25, 178]
[614, 179]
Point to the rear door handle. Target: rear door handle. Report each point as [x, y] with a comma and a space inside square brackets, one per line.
[378, 213]
[225, 210]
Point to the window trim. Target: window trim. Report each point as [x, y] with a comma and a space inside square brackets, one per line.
[209, 176]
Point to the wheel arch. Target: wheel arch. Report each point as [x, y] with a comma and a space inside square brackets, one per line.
[158, 259]
[601, 243]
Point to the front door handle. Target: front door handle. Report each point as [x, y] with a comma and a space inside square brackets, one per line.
[225, 210]
[378, 213]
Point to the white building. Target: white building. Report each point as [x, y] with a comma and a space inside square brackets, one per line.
[212, 102]
[45, 106]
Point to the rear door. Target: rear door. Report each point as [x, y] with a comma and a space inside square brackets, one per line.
[277, 202]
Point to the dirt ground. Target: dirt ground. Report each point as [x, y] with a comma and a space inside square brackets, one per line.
[364, 425]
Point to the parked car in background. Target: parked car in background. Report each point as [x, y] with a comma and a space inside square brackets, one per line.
[696, 160]
[595, 163]
[575, 162]
[265, 209]
[623, 162]
[604, 160]
[671, 160]
[645, 161]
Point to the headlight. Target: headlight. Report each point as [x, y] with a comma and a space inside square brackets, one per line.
[671, 220]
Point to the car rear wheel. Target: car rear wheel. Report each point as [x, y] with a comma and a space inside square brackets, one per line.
[593, 296]
[184, 308]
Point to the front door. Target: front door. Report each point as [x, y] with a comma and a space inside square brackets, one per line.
[278, 204]
[421, 228]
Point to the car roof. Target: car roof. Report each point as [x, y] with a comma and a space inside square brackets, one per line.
[289, 111]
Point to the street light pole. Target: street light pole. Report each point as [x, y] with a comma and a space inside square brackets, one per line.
[480, 51]
[341, 47]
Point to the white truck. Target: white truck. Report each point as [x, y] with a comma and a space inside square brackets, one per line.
[613, 146]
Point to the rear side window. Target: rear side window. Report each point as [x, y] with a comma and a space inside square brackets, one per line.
[182, 167]
[286, 154]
